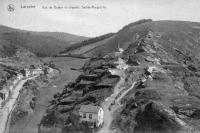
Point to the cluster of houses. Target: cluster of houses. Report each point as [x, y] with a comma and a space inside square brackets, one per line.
[33, 71]
[37, 70]
[6, 87]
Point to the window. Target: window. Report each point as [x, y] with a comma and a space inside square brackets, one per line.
[84, 115]
[90, 116]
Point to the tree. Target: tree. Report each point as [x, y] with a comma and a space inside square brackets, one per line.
[45, 71]
[51, 64]
[23, 72]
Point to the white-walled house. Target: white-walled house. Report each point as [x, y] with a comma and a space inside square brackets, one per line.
[19, 76]
[11, 88]
[15, 81]
[93, 115]
[37, 71]
[120, 52]
[50, 70]
[27, 72]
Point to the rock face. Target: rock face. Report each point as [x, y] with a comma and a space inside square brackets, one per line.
[166, 96]
[155, 117]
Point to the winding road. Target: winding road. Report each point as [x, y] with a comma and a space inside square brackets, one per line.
[113, 100]
[10, 105]
[106, 105]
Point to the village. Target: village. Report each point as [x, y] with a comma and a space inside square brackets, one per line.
[7, 86]
[11, 85]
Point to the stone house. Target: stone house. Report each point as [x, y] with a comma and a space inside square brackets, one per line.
[4, 94]
[37, 71]
[15, 80]
[92, 115]
[11, 88]
[9, 85]
[27, 72]
[19, 76]
[120, 52]
[50, 70]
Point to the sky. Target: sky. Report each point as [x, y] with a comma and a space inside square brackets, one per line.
[91, 22]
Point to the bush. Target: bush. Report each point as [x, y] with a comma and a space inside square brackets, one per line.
[147, 95]
[17, 115]
[125, 120]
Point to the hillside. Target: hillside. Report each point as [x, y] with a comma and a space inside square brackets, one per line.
[15, 55]
[41, 43]
[86, 45]
[151, 86]
[181, 34]
[63, 36]
[104, 44]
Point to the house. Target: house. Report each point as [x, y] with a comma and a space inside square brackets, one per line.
[19, 76]
[4, 93]
[154, 60]
[92, 115]
[50, 70]
[27, 72]
[15, 80]
[9, 85]
[154, 69]
[11, 88]
[120, 52]
[37, 71]
[121, 64]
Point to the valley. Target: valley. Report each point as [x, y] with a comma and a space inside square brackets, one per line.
[145, 78]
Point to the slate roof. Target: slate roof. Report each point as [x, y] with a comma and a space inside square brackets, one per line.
[89, 109]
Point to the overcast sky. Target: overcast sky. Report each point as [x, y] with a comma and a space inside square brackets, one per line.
[93, 22]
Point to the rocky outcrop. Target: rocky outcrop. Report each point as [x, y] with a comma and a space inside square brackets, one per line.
[158, 118]
[165, 98]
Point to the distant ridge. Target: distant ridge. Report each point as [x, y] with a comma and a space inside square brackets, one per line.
[41, 43]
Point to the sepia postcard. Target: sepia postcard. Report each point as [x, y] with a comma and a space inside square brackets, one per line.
[99, 66]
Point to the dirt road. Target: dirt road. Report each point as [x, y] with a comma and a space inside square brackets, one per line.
[7, 109]
[108, 109]
[106, 105]
[124, 93]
